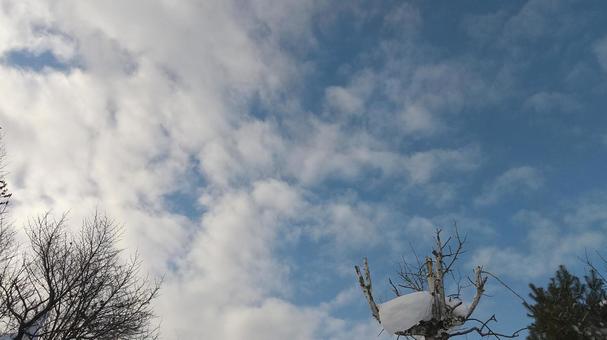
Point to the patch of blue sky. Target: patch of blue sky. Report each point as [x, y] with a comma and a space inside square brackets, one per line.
[184, 199]
[35, 60]
[316, 269]
[557, 132]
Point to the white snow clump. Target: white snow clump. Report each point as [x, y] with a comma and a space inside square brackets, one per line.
[405, 311]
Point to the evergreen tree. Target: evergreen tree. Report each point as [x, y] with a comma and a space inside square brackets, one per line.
[569, 308]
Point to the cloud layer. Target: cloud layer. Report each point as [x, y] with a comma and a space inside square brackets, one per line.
[256, 150]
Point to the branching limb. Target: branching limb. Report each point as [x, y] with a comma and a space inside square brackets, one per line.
[593, 267]
[365, 285]
[394, 288]
[454, 254]
[479, 283]
[413, 277]
[484, 330]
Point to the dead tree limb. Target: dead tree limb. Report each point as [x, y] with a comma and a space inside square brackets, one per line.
[479, 283]
[366, 286]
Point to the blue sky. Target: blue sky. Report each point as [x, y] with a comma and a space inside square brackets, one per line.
[256, 150]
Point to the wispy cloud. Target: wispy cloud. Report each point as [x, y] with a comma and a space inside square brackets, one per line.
[519, 180]
[548, 243]
[600, 49]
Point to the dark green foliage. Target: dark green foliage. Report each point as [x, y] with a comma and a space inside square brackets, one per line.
[569, 308]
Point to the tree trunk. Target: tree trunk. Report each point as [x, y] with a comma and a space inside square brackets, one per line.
[20, 334]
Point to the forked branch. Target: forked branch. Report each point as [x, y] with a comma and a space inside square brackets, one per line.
[366, 286]
[479, 283]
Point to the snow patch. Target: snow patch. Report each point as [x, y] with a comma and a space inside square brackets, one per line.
[461, 310]
[406, 311]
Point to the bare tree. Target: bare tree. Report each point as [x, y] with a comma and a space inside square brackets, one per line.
[447, 318]
[8, 247]
[74, 286]
[70, 285]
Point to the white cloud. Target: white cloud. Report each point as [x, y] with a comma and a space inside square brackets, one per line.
[26, 27]
[484, 27]
[424, 228]
[535, 261]
[343, 100]
[122, 139]
[330, 152]
[560, 237]
[157, 89]
[516, 180]
[351, 98]
[551, 102]
[274, 319]
[416, 119]
[348, 224]
[539, 18]
[424, 165]
[590, 210]
[440, 194]
[421, 228]
[405, 19]
[600, 50]
[230, 260]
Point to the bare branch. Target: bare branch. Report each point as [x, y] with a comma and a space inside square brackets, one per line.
[505, 285]
[479, 283]
[365, 285]
[484, 330]
[593, 267]
[413, 278]
[394, 288]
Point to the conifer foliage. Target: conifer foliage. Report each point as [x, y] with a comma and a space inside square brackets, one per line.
[569, 308]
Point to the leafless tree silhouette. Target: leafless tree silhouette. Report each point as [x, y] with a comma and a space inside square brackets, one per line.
[68, 285]
[75, 286]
